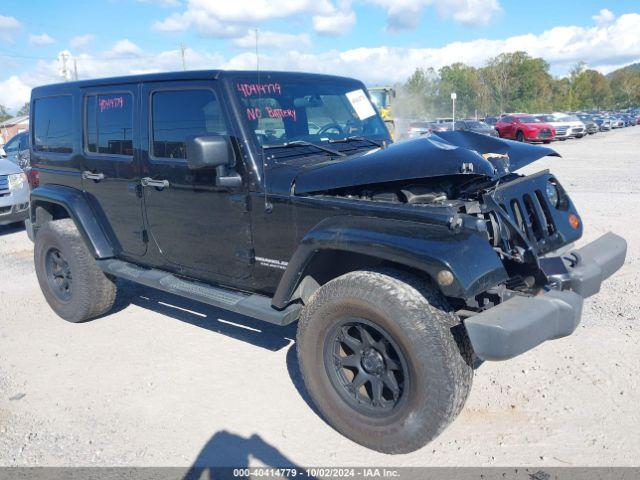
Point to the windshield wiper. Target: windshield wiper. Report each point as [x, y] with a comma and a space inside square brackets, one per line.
[304, 143]
[357, 137]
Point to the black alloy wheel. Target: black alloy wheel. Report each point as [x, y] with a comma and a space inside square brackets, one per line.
[59, 274]
[366, 367]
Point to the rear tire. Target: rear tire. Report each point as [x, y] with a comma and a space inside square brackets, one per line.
[73, 285]
[405, 330]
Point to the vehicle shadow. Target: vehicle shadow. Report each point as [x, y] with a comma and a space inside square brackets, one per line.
[239, 327]
[226, 452]
[11, 228]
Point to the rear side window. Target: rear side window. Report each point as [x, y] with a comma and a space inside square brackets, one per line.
[109, 124]
[53, 124]
[179, 114]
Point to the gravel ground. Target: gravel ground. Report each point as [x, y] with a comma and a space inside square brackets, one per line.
[165, 381]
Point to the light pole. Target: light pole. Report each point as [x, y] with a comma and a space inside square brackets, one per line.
[453, 116]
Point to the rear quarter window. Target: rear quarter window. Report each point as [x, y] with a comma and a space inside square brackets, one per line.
[52, 120]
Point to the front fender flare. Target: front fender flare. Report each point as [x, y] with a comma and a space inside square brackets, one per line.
[74, 202]
[424, 247]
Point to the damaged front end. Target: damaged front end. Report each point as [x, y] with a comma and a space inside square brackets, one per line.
[529, 221]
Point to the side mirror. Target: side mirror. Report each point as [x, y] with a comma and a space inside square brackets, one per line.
[214, 151]
[209, 151]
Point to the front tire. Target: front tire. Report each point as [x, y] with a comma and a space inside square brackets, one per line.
[380, 359]
[73, 285]
[520, 136]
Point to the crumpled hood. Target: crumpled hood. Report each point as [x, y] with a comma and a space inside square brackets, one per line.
[438, 154]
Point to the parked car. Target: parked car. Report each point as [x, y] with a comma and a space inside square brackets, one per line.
[404, 264]
[617, 122]
[418, 128]
[590, 125]
[2, 152]
[17, 150]
[491, 120]
[565, 126]
[14, 193]
[604, 123]
[523, 127]
[476, 127]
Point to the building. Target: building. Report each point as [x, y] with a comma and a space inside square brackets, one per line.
[12, 127]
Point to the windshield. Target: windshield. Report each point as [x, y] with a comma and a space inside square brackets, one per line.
[380, 98]
[529, 119]
[294, 110]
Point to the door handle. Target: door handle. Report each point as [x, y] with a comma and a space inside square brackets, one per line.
[150, 182]
[87, 175]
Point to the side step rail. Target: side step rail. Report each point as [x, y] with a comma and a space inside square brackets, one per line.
[251, 305]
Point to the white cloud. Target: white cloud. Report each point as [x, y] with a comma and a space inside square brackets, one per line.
[406, 14]
[124, 48]
[604, 17]
[42, 39]
[230, 19]
[604, 47]
[14, 92]
[268, 39]
[8, 26]
[81, 41]
[336, 22]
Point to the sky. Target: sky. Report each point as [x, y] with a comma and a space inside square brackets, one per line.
[378, 41]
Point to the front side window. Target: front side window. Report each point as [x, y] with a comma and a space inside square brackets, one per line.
[109, 124]
[53, 124]
[177, 115]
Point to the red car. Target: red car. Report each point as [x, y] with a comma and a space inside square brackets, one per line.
[525, 128]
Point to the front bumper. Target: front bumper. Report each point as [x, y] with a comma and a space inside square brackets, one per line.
[523, 322]
[14, 214]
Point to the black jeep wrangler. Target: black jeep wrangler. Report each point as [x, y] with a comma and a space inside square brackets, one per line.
[281, 196]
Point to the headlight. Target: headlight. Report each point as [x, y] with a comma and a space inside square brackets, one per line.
[17, 180]
[552, 194]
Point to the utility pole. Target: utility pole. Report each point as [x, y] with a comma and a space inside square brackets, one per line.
[183, 48]
[454, 96]
[75, 68]
[64, 56]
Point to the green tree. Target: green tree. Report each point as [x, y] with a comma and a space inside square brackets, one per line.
[625, 87]
[24, 110]
[4, 113]
[463, 80]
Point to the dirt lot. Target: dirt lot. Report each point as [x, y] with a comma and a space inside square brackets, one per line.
[165, 381]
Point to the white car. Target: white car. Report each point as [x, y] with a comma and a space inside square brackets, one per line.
[566, 126]
[14, 193]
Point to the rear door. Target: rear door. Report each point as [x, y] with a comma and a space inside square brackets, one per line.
[200, 229]
[111, 171]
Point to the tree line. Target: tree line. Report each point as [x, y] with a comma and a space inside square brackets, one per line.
[513, 82]
[5, 115]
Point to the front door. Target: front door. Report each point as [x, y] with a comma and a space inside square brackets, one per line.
[111, 156]
[200, 230]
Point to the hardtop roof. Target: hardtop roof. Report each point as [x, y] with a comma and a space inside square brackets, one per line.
[178, 76]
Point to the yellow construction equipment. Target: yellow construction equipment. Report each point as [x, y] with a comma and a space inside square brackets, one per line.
[382, 98]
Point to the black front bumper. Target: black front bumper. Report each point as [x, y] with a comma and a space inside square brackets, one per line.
[523, 322]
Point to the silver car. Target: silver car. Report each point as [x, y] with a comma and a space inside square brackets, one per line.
[17, 150]
[14, 193]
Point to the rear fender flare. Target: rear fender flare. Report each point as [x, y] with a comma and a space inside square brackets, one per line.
[418, 246]
[77, 207]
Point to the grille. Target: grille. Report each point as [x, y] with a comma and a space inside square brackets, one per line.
[561, 130]
[5, 210]
[4, 185]
[526, 204]
[544, 133]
